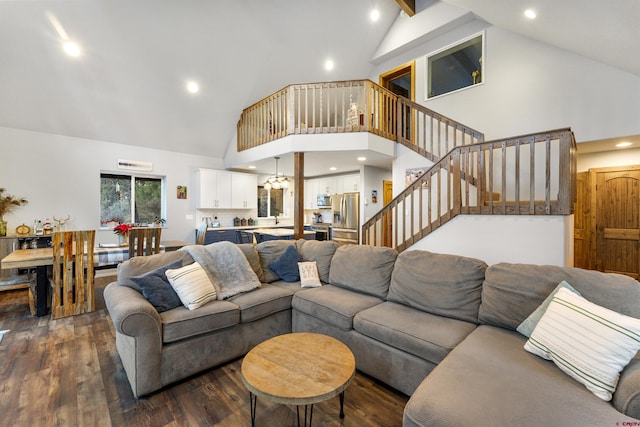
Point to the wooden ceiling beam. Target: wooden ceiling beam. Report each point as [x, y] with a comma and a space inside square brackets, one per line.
[409, 6]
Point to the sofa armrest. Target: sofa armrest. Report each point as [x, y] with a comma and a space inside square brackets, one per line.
[626, 399]
[130, 312]
[138, 337]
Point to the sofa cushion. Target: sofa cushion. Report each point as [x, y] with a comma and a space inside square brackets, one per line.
[286, 266]
[249, 251]
[365, 269]
[269, 252]
[262, 302]
[590, 343]
[319, 251]
[156, 288]
[489, 380]
[139, 265]
[529, 324]
[181, 323]
[511, 292]
[446, 285]
[424, 335]
[333, 305]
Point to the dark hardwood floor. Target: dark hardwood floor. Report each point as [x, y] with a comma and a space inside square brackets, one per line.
[67, 372]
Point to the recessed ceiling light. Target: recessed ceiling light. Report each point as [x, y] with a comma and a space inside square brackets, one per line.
[332, 168]
[374, 15]
[71, 48]
[193, 87]
[328, 65]
[530, 13]
[252, 167]
[362, 159]
[623, 144]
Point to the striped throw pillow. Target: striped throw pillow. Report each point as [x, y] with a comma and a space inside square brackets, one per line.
[192, 285]
[590, 343]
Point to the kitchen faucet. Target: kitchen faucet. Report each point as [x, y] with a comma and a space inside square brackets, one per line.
[276, 217]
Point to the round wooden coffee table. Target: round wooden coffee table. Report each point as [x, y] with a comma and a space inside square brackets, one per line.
[298, 369]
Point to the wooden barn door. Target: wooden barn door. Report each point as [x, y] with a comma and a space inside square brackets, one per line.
[617, 220]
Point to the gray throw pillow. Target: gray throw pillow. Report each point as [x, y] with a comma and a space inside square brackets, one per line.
[156, 289]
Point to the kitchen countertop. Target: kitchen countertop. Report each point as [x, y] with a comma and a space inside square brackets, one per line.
[251, 227]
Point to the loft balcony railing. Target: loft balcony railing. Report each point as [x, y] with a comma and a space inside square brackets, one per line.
[526, 175]
[350, 106]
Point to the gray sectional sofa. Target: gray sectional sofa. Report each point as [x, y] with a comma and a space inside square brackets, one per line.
[440, 328]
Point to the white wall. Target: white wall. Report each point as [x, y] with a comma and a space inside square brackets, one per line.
[372, 178]
[60, 175]
[506, 238]
[530, 87]
[608, 159]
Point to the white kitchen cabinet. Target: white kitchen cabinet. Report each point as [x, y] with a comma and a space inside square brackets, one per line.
[348, 183]
[311, 194]
[244, 191]
[214, 189]
[327, 185]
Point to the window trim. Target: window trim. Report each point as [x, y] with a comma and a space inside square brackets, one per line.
[482, 35]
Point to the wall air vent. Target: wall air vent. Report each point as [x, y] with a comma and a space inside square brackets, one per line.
[135, 165]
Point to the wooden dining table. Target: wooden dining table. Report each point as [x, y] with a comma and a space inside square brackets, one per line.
[42, 258]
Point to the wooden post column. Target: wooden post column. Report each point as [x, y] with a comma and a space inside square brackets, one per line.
[298, 198]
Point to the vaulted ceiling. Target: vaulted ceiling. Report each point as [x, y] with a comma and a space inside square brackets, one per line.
[128, 85]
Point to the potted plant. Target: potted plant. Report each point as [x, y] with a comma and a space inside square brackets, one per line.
[7, 204]
[122, 231]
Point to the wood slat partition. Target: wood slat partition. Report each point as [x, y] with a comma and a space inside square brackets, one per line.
[489, 178]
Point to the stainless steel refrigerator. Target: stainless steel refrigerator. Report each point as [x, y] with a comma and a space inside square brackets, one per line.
[346, 218]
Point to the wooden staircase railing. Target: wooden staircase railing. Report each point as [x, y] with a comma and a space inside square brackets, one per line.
[526, 175]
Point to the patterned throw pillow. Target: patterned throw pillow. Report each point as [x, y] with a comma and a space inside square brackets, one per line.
[309, 276]
[156, 289]
[192, 285]
[529, 324]
[590, 343]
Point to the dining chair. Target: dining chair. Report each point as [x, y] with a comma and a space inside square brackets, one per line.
[72, 282]
[201, 233]
[144, 241]
[244, 236]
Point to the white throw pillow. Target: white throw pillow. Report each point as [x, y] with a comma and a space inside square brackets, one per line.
[590, 343]
[309, 276]
[192, 285]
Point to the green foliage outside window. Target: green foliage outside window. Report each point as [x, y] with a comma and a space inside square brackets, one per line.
[129, 199]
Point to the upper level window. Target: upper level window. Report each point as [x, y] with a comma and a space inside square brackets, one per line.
[455, 67]
[130, 199]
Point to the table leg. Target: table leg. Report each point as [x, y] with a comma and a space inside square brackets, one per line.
[42, 288]
[253, 402]
[342, 405]
[308, 415]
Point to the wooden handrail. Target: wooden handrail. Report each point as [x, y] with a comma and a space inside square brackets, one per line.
[490, 178]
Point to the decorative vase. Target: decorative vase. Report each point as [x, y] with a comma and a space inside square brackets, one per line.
[3, 228]
[123, 239]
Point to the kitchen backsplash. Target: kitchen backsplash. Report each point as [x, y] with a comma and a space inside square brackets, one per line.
[226, 217]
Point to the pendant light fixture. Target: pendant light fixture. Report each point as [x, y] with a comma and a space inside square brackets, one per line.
[277, 180]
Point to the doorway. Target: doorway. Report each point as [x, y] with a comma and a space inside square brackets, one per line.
[607, 220]
[402, 82]
[387, 221]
